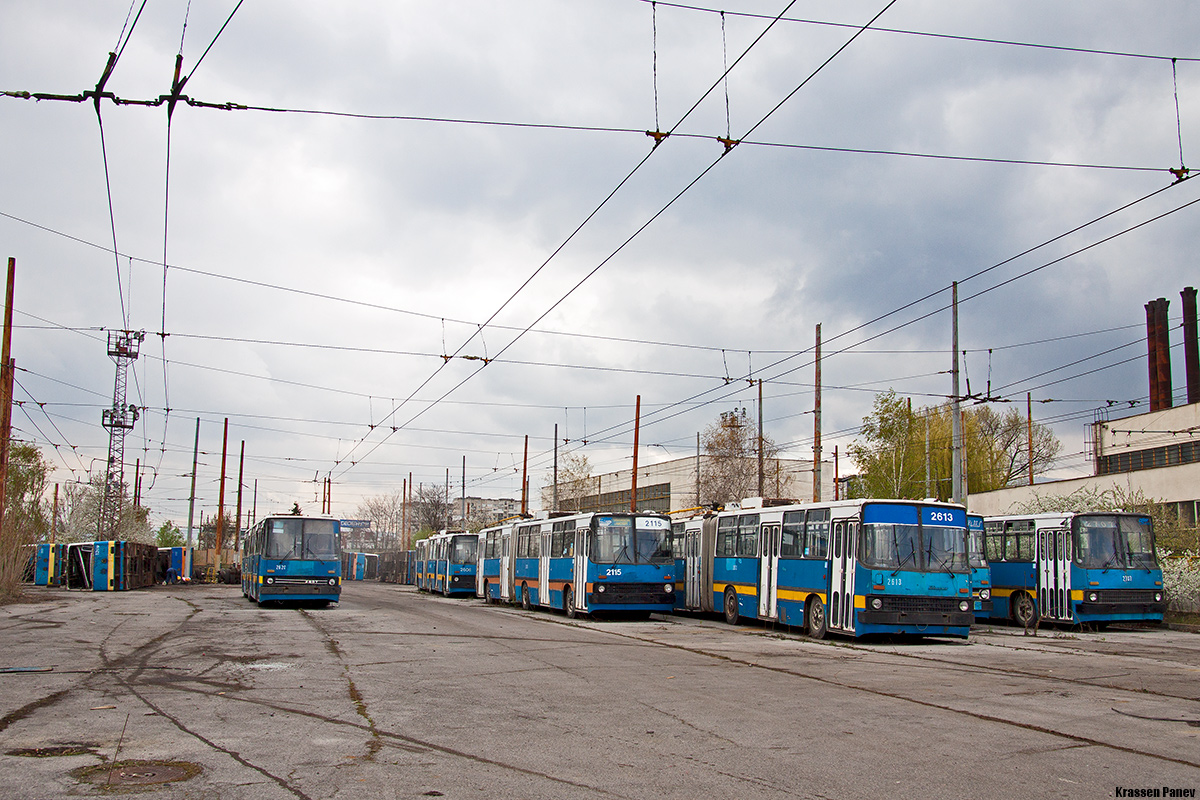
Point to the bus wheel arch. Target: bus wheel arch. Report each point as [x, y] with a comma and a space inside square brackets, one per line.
[815, 623]
[731, 606]
[1023, 609]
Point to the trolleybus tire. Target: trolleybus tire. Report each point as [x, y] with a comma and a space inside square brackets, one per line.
[1024, 611]
[731, 606]
[525, 604]
[814, 618]
[487, 593]
[569, 603]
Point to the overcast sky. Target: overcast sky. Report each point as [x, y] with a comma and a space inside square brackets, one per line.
[319, 267]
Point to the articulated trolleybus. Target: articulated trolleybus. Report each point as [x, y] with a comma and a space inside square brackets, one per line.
[852, 567]
[293, 558]
[1074, 568]
[446, 563]
[581, 564]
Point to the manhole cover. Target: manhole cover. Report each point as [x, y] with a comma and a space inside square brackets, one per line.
[137, 773]
[53, 751]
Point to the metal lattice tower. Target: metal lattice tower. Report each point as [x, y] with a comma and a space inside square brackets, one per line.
[123, 349]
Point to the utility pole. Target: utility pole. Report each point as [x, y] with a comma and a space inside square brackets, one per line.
[1029, 426]
[237, 536]
[761, 473]
[464, 494]
[524, 481]
[192, 496]
[119, 419]
[957, 493]
[637, 428]
[817, 423]
[221, 497]
[697, 469]
[6, 386]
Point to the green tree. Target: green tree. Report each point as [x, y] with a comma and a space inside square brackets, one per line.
[896, 443]
[169, 535]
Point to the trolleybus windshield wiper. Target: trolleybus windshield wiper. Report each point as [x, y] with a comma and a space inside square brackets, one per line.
[912, 552]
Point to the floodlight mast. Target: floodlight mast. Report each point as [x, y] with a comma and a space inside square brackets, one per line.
[120, 419]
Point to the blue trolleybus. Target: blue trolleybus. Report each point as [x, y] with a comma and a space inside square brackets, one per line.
[293, 558]
[1074, 568]
[446, 562]
[853, 567]
[494, 579]
[582, 564]
[981, 573]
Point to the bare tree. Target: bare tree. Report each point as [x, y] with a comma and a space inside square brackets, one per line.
[731, 469]
[430, 507]
[574, 483]
[386, 512]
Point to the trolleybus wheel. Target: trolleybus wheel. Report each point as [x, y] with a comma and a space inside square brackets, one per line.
[525, 604]
[487, 593]
[569, 603]
[731, 606]
[816, 619]
[1024, 612]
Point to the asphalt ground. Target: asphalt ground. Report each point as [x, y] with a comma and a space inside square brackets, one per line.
[393, 694]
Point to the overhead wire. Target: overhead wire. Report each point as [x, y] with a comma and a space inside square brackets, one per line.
[658, 139]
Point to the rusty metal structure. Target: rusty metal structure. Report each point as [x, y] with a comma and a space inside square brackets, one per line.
[119, 420]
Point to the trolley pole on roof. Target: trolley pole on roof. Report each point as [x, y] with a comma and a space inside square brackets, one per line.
[463, 513]
[555, 506]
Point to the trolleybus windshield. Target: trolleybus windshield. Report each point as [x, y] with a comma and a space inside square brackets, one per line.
[920, 548]
[463, 550]
[1112, 541]
[302, 539]
[616, 540]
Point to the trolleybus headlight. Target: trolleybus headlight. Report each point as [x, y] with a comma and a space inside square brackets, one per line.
[876, 603]
[668, 587]
[270, 580]
[333, 581]
[985, 594]
[964, 605]
[1093, 597]
[600, 588]
[1158, 597]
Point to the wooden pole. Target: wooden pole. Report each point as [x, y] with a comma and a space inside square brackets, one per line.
[221, 496]
[237, 534]
[524, 481]
[6, 386]
[637, 428]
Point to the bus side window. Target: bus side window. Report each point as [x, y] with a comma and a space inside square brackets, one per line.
[994, 541]
[816, 540]
[726, 536]
[747, 544]
[792, 535]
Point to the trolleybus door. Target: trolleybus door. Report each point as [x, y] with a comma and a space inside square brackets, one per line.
[768, 571]
[691, 554]
[1054, 574]
[544, 570]
[840, 610]
[506, 565]
[579, 578]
